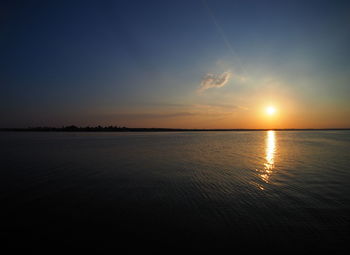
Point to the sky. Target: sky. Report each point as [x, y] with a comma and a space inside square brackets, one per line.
[175, 64]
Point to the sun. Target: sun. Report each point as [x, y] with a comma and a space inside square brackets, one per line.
[270, 110]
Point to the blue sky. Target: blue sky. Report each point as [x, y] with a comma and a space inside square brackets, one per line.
[199, 64]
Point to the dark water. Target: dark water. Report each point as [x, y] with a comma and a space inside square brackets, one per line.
[232, 191]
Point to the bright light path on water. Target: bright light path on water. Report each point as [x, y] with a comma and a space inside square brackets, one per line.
[269, 155]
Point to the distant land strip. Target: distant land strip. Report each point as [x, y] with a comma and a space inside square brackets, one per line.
[73, 128]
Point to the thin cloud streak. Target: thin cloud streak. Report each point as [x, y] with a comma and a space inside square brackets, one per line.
[223, 36]
[151, 115]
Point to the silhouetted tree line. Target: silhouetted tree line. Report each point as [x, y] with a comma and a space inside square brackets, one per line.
[70, 128]
[73, 128]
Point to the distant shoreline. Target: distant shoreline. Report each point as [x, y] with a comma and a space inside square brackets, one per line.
[126, 129]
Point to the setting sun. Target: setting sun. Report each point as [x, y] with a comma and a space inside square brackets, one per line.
[270, 110]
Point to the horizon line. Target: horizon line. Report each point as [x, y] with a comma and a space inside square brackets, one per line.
[111, 128]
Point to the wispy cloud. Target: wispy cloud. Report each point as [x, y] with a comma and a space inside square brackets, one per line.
[214, 81]
[221, 107]
[151, 115]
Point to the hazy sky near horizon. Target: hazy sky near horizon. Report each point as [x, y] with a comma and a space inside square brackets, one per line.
[180, 64]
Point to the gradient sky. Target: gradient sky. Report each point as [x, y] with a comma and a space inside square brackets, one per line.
[180, 64]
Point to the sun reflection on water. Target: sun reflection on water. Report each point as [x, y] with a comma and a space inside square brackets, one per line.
[269, 156]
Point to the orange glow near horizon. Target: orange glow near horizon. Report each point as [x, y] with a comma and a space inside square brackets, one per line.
[260, 112]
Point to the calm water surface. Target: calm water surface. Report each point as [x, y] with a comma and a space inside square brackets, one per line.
[223, 190]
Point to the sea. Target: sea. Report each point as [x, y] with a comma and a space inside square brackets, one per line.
[226, 192]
